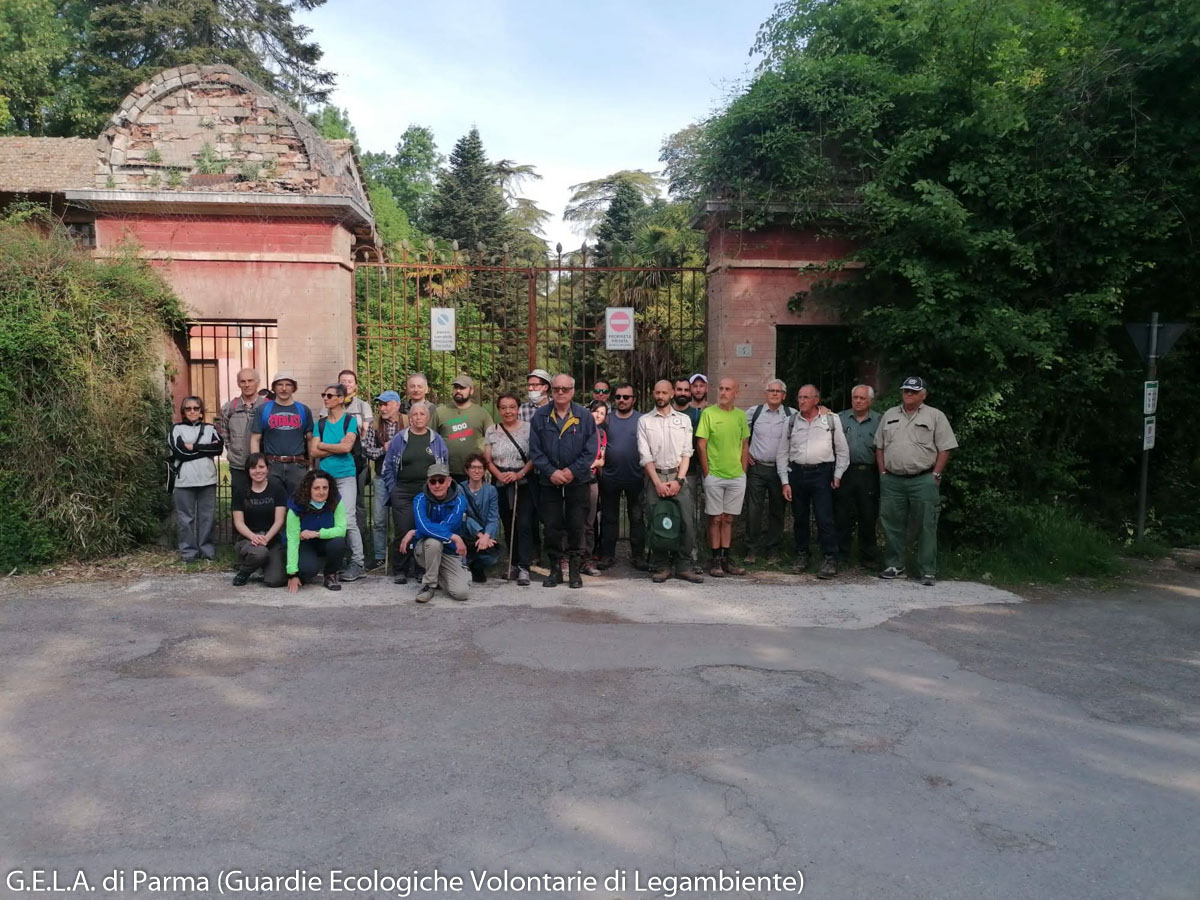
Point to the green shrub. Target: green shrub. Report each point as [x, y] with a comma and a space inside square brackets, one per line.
[82, 410]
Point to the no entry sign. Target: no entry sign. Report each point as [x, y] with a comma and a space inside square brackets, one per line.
[618, 328]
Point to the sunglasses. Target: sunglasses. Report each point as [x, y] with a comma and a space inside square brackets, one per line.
[561, 389]
[600, 391]
[624, 396]
[438, 479]
[330, 395]
[191, 409]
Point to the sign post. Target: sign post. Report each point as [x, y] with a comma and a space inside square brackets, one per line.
[441, 328]
[618, 328]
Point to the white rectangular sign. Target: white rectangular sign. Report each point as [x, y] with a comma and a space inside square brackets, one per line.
[1150, 399]
[618, 328]
[441, 328]
[1148, 434]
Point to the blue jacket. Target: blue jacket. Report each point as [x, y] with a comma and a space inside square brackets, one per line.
[557, 445]
[394, 460]
[487, 501]
[439, 520]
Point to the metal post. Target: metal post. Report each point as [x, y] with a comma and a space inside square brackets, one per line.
[1151, 375]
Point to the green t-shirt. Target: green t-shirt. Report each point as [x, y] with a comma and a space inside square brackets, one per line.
[724, 432]
[462, 430]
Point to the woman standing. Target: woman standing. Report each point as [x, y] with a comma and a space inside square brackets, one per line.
[331, 445]
[506, 452]
[413, 450]
[315, 532]
[195, 446]
[600, 413]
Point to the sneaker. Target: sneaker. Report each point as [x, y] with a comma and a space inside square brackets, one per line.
[828, 568]
[928, 580]
[729, 568]
[425, 594]
[376, 566]
[352, 572]
[606, 562]
[892, 572]
[241, 578]
[751, 558]
[715, 569]
[660, 576]
[332, 583]
[523, 577]
[509, 574]
[590, 568]
[684, 573]
[800, 565]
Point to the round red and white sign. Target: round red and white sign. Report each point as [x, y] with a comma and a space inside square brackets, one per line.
[620, 321]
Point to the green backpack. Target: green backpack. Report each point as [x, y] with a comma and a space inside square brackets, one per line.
[666, 525]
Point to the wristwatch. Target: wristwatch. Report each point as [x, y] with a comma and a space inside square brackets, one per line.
[937, 475]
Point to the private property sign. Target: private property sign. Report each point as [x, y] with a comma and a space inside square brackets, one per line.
[618, 328]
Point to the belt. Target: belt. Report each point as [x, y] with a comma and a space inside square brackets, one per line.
[806, 468]
[288, 459]
[913, 475]
[862, 465]
[668, 473]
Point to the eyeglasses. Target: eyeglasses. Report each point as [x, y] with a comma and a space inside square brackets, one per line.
[599, 390]
[438, 479]
[329, 396]
[191, 409]
[624, 396]
[561, 389]
[775, 390]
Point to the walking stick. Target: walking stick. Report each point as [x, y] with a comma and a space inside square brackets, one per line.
[512, 528]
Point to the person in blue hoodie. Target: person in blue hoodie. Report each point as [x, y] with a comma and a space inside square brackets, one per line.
[314, 532]
[439, 518]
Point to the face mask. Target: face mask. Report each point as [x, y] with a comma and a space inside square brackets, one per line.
[536, 396]
[316, 504]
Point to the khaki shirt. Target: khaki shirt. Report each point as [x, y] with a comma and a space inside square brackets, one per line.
[234, 424]
[665, 440]
[911, 444]
[812, 443]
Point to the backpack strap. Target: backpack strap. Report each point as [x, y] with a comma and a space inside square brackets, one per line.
[754, 418]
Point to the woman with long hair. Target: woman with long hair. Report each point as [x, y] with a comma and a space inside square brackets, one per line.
[506, 453]
[599, 409]
[195, 446]
[315, 532]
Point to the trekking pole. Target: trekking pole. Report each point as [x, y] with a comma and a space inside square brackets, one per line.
[512, 528]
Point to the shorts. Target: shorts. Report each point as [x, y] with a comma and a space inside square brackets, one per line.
[724, 495]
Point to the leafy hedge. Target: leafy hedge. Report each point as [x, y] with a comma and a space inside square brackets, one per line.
[82, 409]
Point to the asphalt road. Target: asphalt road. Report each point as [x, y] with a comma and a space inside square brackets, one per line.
[876, 739]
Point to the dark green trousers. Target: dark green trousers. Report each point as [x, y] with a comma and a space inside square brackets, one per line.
[902, 498]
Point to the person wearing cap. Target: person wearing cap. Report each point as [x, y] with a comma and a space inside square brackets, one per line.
[439, 515]
[537, 383]
[375, 442]
[463, 425]
[562, 443]
[364, 418]
[857, 499]
[233, 424]
[912, 448]
[698, 384]
[282, 430]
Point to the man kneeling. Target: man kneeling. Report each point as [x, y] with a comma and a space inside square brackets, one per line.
[439, 513]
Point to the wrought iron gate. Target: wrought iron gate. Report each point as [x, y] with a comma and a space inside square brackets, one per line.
[513, 318]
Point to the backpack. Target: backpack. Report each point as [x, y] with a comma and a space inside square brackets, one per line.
[787, 411]
[666, 525]
[356, 452]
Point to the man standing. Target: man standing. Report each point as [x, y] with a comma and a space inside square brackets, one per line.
[681, 402]
[462, 426]
[439, 513]
[764, 491]
[537, 383]
[723, 440]
[811, 460]
[622, 476]
[562, 444]
[858, 496]
[698, 385]
[601, 390]
[375, 443]
[912, 448]
[234, 424]
[281, 430]
[664, 440]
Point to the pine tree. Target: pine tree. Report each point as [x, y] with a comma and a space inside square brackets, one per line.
[468, 205]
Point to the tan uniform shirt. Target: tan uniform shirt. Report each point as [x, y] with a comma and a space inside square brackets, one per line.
[811, 443]
[911, 444]
[665, 440]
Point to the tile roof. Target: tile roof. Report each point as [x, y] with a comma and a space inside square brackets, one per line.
[41, 164]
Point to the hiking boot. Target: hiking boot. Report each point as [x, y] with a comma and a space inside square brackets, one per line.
[639, 563]
[800, 565]
[751, 558]
[715, 570]
[399, 578]
[729, 568]
[478, 573]
[555, 578]
[828, 567]
[575, 579]
[523, 577]
[352, 572]
[332, 583]
[241, 578]
[606, 562]
[685, 573]
[892, 572]
[425, 594]
[660, 575]
[928, 580]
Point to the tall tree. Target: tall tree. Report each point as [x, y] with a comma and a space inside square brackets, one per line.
[410, 173]
[33, 47]
[614, 234]
[590, 199]
[468, 204]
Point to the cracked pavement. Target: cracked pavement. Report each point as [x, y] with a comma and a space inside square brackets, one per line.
[886, 740]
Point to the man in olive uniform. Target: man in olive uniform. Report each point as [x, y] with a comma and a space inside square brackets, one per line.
[912, 447]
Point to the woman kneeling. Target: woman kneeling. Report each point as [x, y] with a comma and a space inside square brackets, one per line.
[315, 534]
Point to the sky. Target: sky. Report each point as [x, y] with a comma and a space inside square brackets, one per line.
[579, 90]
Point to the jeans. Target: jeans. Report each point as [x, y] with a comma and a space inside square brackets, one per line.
[348, 490]
[379, 520]
[813, 487]
[610, 517]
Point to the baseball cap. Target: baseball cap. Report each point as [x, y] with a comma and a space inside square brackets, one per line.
[913, 383]
[437, 469]
[462, 379]
[540, 373]
[388, 397]
[284, 376]
[699, 376]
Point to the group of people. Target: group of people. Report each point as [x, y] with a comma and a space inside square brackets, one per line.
[450, 479]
